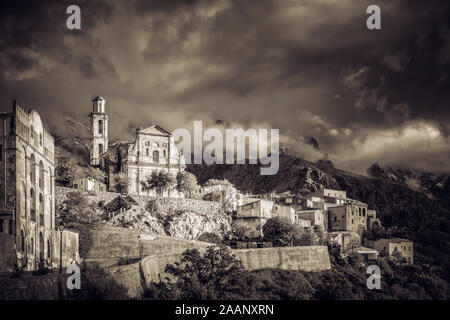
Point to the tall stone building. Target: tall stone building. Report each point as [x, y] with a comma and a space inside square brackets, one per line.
[152, 149]
[27, 186]
[28, 237]
[99, 127]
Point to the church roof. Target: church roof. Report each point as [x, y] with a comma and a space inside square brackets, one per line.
[154, 128]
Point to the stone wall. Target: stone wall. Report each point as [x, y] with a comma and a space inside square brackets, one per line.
[308, 258]
[128, 276]
[45, 287]
[7, 252]
[113, 242]
[70, 247]
[311, 258]
[168, 204]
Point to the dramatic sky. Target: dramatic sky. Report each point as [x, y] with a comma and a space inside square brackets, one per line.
[310, 68]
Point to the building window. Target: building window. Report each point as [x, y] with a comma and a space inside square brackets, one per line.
[1, 152]
[335, 219]
[40, 139]
[147, 152]
[33, 205]
[156, 156]
[32, 245]
[165, 154]
[1, 225]
[352, 221]
[100, 127]
[100, 149]
[48, 249]
[32, 134]
[41, 210]
[22, 241]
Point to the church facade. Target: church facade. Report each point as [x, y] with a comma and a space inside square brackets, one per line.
[153, 149]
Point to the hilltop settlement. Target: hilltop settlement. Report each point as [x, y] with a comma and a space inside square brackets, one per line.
[142, 185]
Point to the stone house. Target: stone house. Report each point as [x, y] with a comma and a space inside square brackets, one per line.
[27, 193]
[348, 217]
[284, 211]
[121, 204]
[348, 240]
[387, 247]
[315, 216]
[372, 219]
[255, 214]
[89, 184]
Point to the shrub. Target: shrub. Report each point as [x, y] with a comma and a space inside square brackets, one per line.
[210, 237]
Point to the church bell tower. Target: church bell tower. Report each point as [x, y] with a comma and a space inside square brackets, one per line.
[99, 127]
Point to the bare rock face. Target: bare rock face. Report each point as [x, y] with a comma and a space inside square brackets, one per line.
[312, 179]
[138, 219]
[191, 225]
[186, 224]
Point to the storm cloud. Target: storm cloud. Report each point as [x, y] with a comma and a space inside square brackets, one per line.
[309, 68]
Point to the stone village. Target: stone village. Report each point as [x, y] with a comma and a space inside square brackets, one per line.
[30, 240]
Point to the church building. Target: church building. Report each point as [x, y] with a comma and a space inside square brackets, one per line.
[152, 149]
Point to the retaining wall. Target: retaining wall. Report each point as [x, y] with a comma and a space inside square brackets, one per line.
[114, 242]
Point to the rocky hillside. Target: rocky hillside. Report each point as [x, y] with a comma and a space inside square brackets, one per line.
[295, 174]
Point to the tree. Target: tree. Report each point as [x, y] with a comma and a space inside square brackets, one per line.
[96, 174]
[159, 181]
[122, 182]
[210, 237]
[204, 276]
[223, 192]
[239, 230]
[217, 182]
[186, 183]
[76, 210]
[226, 198]
[280, 231]
[67, 171]
[397, 257]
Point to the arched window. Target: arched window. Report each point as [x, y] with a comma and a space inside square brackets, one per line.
[41, 247]
[165, 155]
[40, 139]
[32, 205]
[48, 249]
[41, 176]
[147, 152]
[41, 210]
[32, 169]
[100, 127]
[156, 156]
[32, 245]
[23, 200]
[100, 149]
[22, 241]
